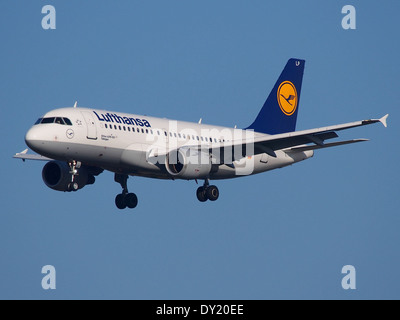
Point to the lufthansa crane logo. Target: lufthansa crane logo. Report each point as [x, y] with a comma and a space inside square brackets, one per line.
[70, 133]
[287, 97]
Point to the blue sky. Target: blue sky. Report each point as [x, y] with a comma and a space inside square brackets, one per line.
[285, 234]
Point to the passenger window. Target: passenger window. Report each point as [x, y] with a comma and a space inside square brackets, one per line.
[175, 134]
[179, 135]
[106, 126]
[115, 127]
[142, 131]
[147, 130]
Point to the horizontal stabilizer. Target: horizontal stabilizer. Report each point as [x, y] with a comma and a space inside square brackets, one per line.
[326, 145]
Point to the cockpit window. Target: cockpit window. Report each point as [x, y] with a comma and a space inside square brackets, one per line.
[58, 120]
[48, 120]
[67, 122]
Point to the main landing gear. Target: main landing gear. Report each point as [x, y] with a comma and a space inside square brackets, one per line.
[207, 192]
[125, 199]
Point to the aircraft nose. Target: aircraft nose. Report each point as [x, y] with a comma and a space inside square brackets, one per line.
[33, 139]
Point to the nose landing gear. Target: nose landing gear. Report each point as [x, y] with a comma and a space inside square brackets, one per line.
[125, 199]
[207, 192]
[74, 166]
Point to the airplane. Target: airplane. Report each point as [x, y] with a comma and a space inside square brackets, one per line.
[80, 143]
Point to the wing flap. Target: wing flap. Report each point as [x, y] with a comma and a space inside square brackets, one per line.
[327, 145]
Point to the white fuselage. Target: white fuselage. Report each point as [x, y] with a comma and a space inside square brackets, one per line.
[134, 145]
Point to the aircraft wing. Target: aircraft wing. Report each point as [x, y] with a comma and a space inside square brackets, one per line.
[25, 156]
[301, 140]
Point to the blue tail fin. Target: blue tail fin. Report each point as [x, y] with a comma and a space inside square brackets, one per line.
[279, 113]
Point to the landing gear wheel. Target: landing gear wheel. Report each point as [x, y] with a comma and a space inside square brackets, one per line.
[73, 186]
[125, 199]
[212, 193]
[131, 200]
[120, 202]
[201, 194]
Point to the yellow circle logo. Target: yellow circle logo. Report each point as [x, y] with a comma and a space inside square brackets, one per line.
[287, 97]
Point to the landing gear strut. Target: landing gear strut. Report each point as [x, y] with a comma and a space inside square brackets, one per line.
[207, 192]
[125, 199]
[73, 165]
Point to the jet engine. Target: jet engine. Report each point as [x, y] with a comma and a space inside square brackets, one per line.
[188, 163]
[57, 175]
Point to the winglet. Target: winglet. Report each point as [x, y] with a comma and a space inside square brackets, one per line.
[24, 155]
[21, 155]
[383, 120]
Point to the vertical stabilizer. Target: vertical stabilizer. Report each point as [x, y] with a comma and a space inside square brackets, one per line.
[279, 113]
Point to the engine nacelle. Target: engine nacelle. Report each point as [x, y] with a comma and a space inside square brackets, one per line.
[188, 164]
[56, 175]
